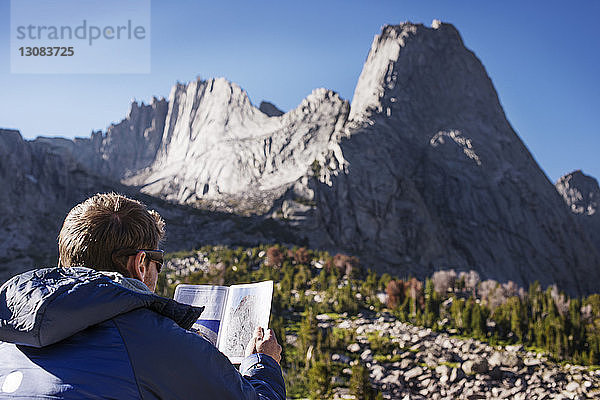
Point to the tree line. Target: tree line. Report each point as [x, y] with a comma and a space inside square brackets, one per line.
[548, 320]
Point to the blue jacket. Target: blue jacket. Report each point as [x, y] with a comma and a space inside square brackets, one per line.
[77, 334]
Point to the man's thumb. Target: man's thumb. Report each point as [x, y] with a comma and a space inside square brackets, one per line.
[251, 347]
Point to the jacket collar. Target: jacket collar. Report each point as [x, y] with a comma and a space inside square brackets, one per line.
[41, 307]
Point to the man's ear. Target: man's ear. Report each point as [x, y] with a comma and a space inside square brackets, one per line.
[136, 265]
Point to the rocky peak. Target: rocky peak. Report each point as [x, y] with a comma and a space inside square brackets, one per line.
[10, 135]
[580, 191]
[217, 144]
[413, 71]
[397, 55]
[217, 102]
[448, 181]
[127, 146]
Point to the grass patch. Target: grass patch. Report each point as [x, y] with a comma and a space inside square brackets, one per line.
[387, 358]
[450, 364]
[536, 349]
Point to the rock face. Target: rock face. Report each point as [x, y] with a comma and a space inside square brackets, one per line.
[582, 195]
[128, 146]
[39, 181]
[217, 147]
[125, 148]
[435, 175]
[422, 171]
[270, 109]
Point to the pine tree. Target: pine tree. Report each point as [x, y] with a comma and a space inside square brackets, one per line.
[318, 380]
[478, 321]
[383, 281]
[517, 320]
[431, 311]
[456, 313]
[322, 281]
[467, 315]
[369, 287]
[360, 384]
[307, 333]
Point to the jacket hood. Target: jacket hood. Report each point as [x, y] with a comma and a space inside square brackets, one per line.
[44, 306]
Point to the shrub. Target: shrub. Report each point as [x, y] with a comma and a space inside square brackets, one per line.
[395, 293]
[345, 265]
[443, 280]
[318, 380]
[274, 257]
[302, 256]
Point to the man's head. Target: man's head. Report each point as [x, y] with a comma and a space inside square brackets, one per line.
[104, 233]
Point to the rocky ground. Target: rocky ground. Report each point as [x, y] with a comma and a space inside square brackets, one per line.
[410, 362]
[429, 365]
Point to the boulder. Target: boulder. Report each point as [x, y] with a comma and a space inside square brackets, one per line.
[442, 370]
[367, 355]
[413, 373]
[455, 375]
[353, 348]
[475, 366]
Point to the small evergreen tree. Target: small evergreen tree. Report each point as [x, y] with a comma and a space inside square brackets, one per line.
[360, 384]
[307, 334]
[431, 312]
[319, 380]
[478, 321]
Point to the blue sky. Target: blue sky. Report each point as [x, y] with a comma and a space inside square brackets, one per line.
[541, 56]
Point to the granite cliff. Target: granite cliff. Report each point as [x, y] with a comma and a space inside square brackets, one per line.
[437, 176]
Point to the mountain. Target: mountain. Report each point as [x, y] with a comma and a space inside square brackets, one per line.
[436, 176]
[219, 148]
[421, 171]
[582, 195]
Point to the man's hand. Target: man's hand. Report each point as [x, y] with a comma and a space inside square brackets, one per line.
[264, 343]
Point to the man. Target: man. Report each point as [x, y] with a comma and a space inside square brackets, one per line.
[93, 328]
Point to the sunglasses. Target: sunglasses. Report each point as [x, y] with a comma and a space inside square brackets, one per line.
[158, 256]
